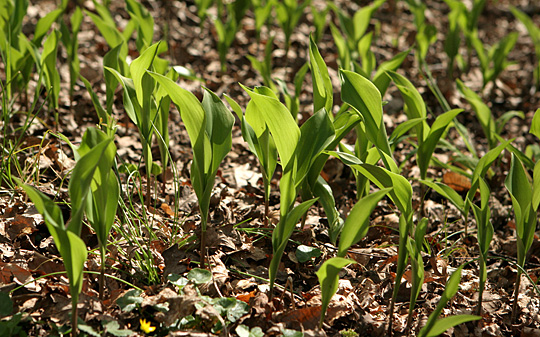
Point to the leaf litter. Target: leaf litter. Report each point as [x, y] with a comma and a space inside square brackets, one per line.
[240, 247]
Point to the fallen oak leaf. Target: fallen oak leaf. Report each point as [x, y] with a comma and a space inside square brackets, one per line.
[307, 316]
[457, 182]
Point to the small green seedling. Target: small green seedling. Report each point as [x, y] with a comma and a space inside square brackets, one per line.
[262, 9]
[435, 327]
[71, 43]
[362, 95]
[70, 245]
[265, 67]
[428, 137]
[227, 27]
[328, 276]
[534, 33]
[140, 102]
[113, 36]
[492, 127]
[494, 60]
[401, 196]
[353, 28]
[525, 198]
[209, 126]
[202, 9]
[482, 214]
[426, 34]
[288, 13]
[262, 145]
[320, 20]
[51, 76]
[144, 23]
[453, 37]
[105, 194]
[266, 114]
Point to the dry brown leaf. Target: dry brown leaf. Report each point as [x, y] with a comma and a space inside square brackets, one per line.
[19, 275]
[457, 182]
[167, 209]
[308, 316]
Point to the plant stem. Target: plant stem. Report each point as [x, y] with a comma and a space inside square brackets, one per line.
[422, 199]
[391, 316]
[266, 183]
[266, 211]
[203, 241]
[481, 285]
[148, 190]
[515, 303]
[74, 314]
[102, 274]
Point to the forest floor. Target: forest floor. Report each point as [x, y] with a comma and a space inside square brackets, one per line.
[240, 247]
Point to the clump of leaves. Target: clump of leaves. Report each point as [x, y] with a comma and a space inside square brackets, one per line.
[534, 33]
[435, 327]
[209, 126]
[66, 238]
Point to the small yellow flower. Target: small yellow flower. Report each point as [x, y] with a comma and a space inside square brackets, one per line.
[146, 326]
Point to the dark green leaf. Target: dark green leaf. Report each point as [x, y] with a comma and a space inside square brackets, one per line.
[306, 253]
[199, 276]
[131, 299]
[113, 328]
[6, 305]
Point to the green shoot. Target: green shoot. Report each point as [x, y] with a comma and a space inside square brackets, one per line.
[209, 126]
[436, 327]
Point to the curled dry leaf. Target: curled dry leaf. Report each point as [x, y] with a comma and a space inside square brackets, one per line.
[457, 182]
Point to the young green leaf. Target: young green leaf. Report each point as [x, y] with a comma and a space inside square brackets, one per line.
[401, 194]
[534, 33]
[363, 95]
[282, 233]
[328, 276]
[452, 286]
[380, 79]
[322, 85]
[315, 136]
[415, 106]
[199, 276]
[279, 121]
[82, 178]
[483, 113]
[71, 247]
[427, 147]
[44, 24]
[447, 192]
[535, 124]
[443, 324]
[48, 63]
[357, 223]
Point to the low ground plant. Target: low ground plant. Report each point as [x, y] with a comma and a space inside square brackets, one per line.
[534, 33]
[92, 164]
[209, 126]
[103, 187]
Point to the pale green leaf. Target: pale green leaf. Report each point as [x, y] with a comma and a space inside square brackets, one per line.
[357, 223]
[446, 323]
[279, 120]
[427, 147]
[328, 276]
[363, 95]
[322, 85]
